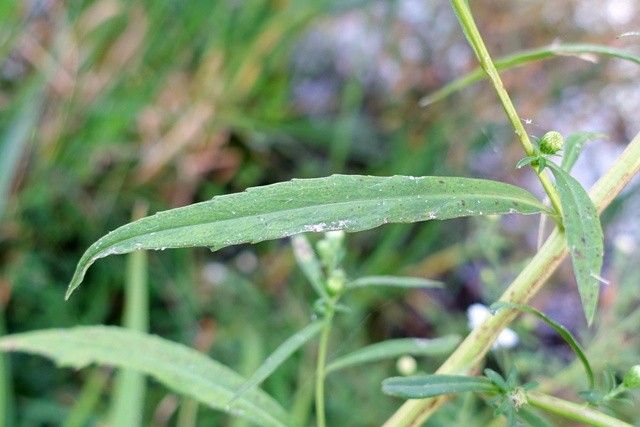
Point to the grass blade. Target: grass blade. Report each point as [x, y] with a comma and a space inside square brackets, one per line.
[7, 398]
[394, 281]
[584, 237]
[182, 369]
[435, 385]
[395, 348]
[15, 139]
[524, 57]
[88, 400]
[561, 330]
[129, 389]
[339, 202]
[276, 358]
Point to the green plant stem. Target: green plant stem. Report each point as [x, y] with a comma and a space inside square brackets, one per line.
[474, 348]
[574, 411]
[88, 399]
[7, 401]
[475, 39]
[321, 371]
[188, 413]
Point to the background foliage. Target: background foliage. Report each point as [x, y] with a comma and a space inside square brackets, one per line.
[105, 105]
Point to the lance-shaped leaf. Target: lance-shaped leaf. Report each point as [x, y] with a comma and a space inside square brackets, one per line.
[573, 146]
[182, 369]
[339, 202]
[435, 385]
[396, 348]
[584, 237]
[278, 357]
[564, 333]
[394, 282]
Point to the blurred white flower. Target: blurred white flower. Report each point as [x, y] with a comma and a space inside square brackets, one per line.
[406, 365]
[476, 313]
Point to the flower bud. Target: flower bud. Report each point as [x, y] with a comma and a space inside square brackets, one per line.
[406, 365]
[335, 283]
[551, 142]
[632, 377]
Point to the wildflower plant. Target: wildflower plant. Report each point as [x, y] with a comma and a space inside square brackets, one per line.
[351, 203]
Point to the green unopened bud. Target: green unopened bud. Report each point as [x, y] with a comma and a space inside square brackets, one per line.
[335, 283]
[406, 365]
[632, 377]
[551, 143]
[324, 250]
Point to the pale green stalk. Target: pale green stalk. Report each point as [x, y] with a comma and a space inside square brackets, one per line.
[321, 366]
[475, 39]
[188, 413]
[320, 375]
[88, 399]
[573, 411]
[474, 348]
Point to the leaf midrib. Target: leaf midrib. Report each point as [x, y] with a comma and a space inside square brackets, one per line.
[325, 204]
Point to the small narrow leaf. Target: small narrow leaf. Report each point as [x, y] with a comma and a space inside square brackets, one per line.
[309, 263]
[276, 358]
[512, 377]
[435, 385]
[339, 202]
[584, 237]
[629, 34]
[394, 281]
[591, 396]
[561, 330]
[497, 379]
[395, 348]
[182, 369]
[526, 161]
[573, 146]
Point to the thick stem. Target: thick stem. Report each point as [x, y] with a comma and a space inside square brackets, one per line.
[474, 348]
[573, 411]
[475, 39]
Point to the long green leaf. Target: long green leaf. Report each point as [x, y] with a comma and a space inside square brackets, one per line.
[394, 281]
[339, 202]
[129, 386]
[564, 333]
[435, 385]
[182, 369]
[524, 57]
[395, 348]
[584, 237]
[573, 146]
[276, 358]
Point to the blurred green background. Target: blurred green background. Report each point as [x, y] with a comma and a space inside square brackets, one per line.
[106, 105]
